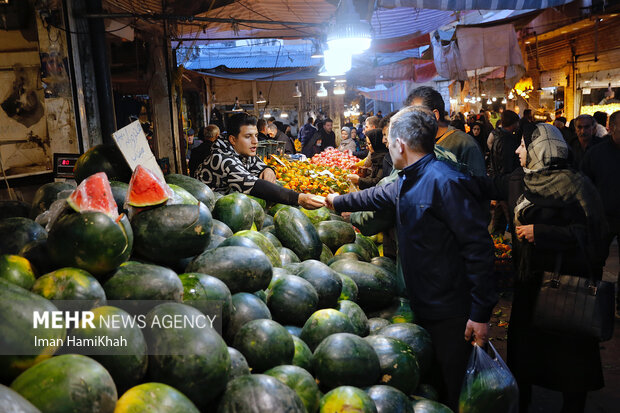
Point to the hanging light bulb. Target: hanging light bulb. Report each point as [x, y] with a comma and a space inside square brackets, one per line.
[478, 99]
[349, 34]
[284, 115]
[339, 89]
[504, 101]
[260, 99]
[237, 107]
[322, 92]
[494, 99]
[337, 63]
[488, 101]
[267, 115]
[297, 91]
[511, 95]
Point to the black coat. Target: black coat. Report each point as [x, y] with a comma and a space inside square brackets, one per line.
[503, 159]
[289, 143]
[556, 361]
[376, 172]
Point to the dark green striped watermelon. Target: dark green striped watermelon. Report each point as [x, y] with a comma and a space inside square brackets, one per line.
[388, 399]
[345, 359]
[349, 288]
[268, 221]
[238, 364]
[264, 344]
[91, 241]
[426, 391]
[335, 234]
[347, 399]
[316, 215]
[22, 231]
[375, 324]
[13, 402]
[198, 189]
[17, 270]
[46, 195]
[324, 280]
[154, 398]
[259, 214]
[119, 192]
[70, 284]
[296, 232]
[259, 393]
[292, 300]
[245, 307]
[37, 254]
[214, 242]
[239, 242]
[324, 323]
[274, 240]
[207, 294]
[368, 245]
[356, 316]
[399, 366]
[126, 365]
[221, 229]
[417, 338]
[301, 381]
[326, 255]
[275, 208]
[137, 281]
[264, 244]
[68, 383]
[430, 406]
[181, 196]
[293, 330]
[102, 158]
[235, 210]
[376, 287]
[287, 256]
[260, 201]
[12, 209]
[271, 229]
[303, 355]
[344, 256]
[193, 360]
[385, 263]
[356, 249]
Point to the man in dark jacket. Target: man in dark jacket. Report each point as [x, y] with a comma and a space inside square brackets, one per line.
[198, 155]
[307, 132]
[444, 246]
[323, 138]
[275, 133]
[585, 126]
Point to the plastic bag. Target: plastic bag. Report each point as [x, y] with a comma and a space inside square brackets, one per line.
[489, 386]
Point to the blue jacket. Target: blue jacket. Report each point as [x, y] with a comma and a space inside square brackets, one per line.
[444, 246]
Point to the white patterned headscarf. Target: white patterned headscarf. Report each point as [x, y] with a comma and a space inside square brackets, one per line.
[547, 148]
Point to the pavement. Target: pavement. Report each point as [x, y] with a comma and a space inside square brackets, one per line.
[606, 400]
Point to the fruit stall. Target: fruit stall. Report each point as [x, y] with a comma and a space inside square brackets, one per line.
[311, 315]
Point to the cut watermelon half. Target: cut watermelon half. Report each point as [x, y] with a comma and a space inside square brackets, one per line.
[94, 194]
[147, 189]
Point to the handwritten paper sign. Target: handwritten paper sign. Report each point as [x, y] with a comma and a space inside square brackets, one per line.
[135, 148]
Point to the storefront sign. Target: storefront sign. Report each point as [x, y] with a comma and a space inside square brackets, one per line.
[132, 142]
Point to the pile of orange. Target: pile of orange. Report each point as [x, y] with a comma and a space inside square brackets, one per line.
[309, 178]
[503, 249]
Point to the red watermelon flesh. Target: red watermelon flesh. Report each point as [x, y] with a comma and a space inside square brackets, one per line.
[147, 189]
[94, 194]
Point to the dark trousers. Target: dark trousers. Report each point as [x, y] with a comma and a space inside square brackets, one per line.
[614, 233]
[451, 356]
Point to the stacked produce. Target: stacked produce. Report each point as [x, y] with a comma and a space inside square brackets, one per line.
[310, 316]
[310, 178]
[334, 158]
[503, 248]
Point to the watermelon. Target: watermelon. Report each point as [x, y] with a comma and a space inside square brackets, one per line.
[238, 364]
[268, 221]
[207, 294]
[259, 393]
[102, 158]
[265, 344]
[68, 383]
[349, 288]
[316, 215]
[376, 287]
[345, 399]
[375, 324]
[13, 402]
[296, 232]
[235, 210]
[275, 208]
[17, 306]
[71, 284]
[181, 197]
[12, 209]
[287, 256]
[193, 360]
[324, 323]
[356, 249]
[387, 399]
[404, 313]
[356, 316]
[260, 201]
[335, 217]
[239, 242]
[386, 263]
[242, 269]
[76, 240]
[147, 189]
[293, 330]
[326, 254]
[127, 365]
[399, 366]
[430, 406]
[17, 270]
[335, 234]
[292, 300]
[324, 280]
[22, 230]
[368, 245]
[426, 391]
[214, 242]
[198, 189]
[417, 338]
[262, 294]
[38, 256]
[488, 390]
[221, 229]
[264, 244]
[154, 398]
[303, 355]
[245, 307]
[345, 359]
[301, 381]
[94, 194]
[259, 214]
[271, 229]
[344, 256]
[46, 195]
[119, 192]
[274, 240]
[138, 281]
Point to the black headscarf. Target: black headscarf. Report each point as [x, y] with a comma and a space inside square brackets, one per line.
[375, 136]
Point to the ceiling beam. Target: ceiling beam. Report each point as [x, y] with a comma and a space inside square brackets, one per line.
[190, 19]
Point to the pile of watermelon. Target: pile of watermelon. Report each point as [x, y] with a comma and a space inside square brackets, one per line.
[311, 320]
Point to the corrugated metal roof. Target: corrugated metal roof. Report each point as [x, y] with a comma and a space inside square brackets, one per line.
[253, 62]
[406, 21]
[474, 4]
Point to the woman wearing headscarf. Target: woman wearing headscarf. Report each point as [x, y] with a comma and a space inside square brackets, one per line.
[476, 132]
[346, 141]
[561, 213]
[377, 151]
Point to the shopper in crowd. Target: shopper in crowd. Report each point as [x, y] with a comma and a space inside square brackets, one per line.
[355, 138]
[445, 249]
[271, 120]
[307, 132]
[210, 134]
[601, 124]
[190, 142]
[346, 141]
[377, 151]
[456, 141]
[322, 139]
[233, 166]
[602, 165]
[384, 125]
[560, 215]
[477, 134]
[276, 134]
[458, 124]
[585, 126]
[261, 125]
[379, 114]
[560, 123]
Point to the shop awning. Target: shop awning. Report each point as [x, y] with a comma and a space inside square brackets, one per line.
[474, 4]
[395, 94]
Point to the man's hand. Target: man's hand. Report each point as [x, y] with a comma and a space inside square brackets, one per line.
[354, 178]
[526, 232]
[268, 175]
[329, 201]
[479, 332]
[310, 201]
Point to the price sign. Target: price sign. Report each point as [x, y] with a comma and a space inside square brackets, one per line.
[135, 148]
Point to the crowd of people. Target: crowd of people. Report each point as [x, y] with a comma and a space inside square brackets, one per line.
[436, 191]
